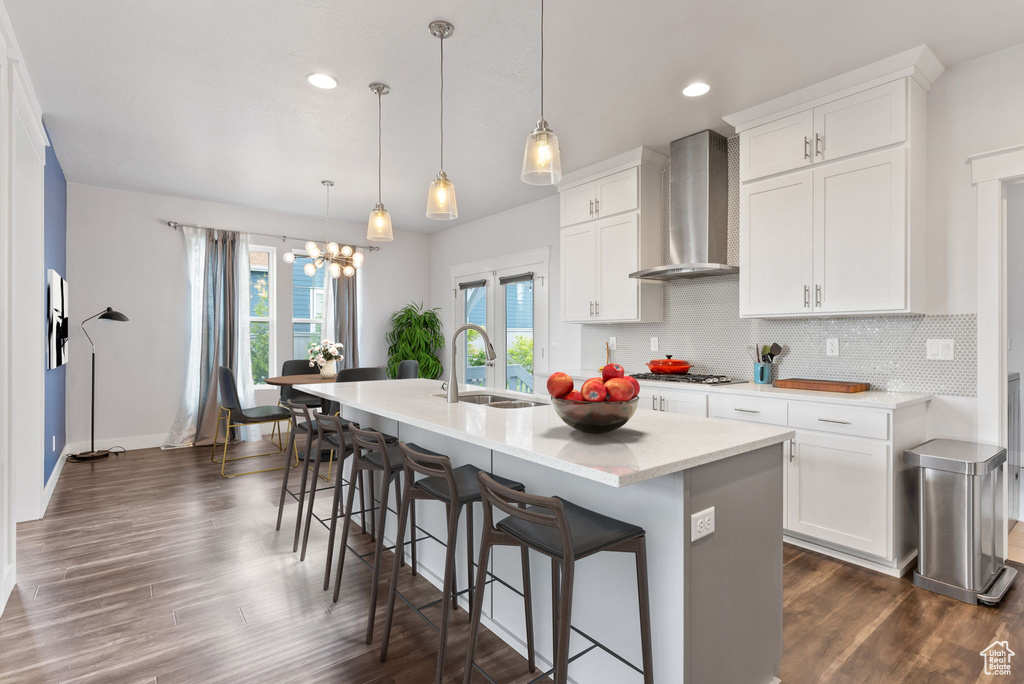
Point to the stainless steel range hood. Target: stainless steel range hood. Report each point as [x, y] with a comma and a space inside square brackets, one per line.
[698, 210]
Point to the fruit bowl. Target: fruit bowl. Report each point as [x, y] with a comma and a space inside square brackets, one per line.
[595, 416]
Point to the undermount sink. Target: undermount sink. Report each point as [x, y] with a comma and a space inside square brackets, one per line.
[495, 401]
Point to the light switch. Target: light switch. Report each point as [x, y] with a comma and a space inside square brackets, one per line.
[556, 342]
[611, 343]
[939, 350]
[654, 344]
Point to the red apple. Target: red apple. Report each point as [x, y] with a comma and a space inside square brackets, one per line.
[635, 383]
[574, 396]
[612, 370]
[619, 389]
[559, 385]
[593, 390]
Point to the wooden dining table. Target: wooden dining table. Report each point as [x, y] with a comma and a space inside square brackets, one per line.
[303, 379]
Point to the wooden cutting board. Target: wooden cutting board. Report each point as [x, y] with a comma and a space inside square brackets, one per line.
[823, 385]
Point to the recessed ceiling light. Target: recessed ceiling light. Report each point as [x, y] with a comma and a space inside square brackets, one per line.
[322, 81]
[696, 89]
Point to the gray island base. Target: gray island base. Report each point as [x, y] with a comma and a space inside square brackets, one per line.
[716, 603]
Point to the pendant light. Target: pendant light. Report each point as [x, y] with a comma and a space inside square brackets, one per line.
[337, 259]
[379, 227]
[441, 196]
[542, 164]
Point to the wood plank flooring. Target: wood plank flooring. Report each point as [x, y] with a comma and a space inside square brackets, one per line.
[151, 568]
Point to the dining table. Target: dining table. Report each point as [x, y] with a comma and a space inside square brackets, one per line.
[301, 379]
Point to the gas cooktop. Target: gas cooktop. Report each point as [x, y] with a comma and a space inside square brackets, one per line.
[689, 378]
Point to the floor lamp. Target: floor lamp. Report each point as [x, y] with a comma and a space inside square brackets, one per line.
[107, 314]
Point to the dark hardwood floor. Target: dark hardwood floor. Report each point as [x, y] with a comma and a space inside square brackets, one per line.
[149, 567]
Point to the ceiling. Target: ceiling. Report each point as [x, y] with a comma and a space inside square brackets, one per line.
[209, 99]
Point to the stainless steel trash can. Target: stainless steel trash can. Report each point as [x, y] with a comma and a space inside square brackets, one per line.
[961, 518]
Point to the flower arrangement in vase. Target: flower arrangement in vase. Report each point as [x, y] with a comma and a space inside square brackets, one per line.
[326, 355]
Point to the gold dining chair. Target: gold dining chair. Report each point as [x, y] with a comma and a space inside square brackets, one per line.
[232, 415]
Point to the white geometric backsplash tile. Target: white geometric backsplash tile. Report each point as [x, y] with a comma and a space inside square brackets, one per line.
[702, 325]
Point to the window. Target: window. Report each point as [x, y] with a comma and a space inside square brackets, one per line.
[307, 307]
[261, 312]
[518, 331]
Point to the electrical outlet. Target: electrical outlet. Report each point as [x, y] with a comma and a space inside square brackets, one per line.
[654, 344]
[832, 346]
[939, 350]
[702, 524]
[611, 343]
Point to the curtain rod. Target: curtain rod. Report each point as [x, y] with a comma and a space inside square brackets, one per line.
[175, 225]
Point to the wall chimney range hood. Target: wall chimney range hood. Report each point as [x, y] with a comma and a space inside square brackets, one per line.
[698, 210]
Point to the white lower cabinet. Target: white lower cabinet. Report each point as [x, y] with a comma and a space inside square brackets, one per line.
[838, 490]
[674, 401]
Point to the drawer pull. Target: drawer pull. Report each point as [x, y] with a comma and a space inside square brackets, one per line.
[837, 422]
[745, 410]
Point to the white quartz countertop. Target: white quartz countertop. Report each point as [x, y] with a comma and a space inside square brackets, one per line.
[869, 399]
[650, 445]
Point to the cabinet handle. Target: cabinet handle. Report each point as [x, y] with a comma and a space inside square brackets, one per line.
[792, 449]
[817, 295]
[597, 308]
[807, 147]
[591, 208]
[597, 207]
[837, 422]
[817, 145]
[663, 403]
[654, 403]
[745, 410]
[807, 296]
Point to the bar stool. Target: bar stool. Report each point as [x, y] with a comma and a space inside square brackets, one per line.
[456, 488]
[566, 534]
[301, 422]
[372, 453]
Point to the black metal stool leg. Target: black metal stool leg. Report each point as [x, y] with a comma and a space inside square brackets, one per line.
[334, 515]
[287, 471]
[449, 592]
[469, 555]
[373, 494]
[357, 470]
[564, 621]
[415, 565]
[403, 516]
[312, 498]
[528, 605]
[377, 559]
[398, 506]
[556, 583]
[362, 499]
[302, 494]
[478, 604]
[645, 610]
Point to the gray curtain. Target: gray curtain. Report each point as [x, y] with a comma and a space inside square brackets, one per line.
[341, 322]
[218, 331]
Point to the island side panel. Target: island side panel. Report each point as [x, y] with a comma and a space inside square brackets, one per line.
[733, 601]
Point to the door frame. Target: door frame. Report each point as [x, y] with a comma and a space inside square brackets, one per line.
[540, 260]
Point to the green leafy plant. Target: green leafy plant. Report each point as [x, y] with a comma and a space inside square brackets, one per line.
[417, 334]
[520, 353]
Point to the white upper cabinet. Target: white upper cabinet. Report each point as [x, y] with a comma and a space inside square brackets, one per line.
[832, 194]
[611, 217]
[777, 146]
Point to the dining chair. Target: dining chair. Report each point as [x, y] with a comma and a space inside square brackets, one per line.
[289, 393]
[233, 415]
[408, 369]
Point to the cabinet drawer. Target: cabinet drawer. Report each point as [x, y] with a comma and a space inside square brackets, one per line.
[747, 408]
[684, 402]
[839, 419]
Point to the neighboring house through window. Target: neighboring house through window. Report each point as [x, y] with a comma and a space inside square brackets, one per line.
[307, 307]
[261, 312]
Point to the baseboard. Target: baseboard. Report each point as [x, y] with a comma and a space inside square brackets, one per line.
[129, 443]
[897, 570]
[7, 585]
[51, 484]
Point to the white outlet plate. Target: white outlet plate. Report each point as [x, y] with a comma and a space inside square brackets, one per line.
[832, 346]
[702, 524]
[939, 350]
[611, 343]
[654, 344]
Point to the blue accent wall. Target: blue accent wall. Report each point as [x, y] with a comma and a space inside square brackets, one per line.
[55, 231]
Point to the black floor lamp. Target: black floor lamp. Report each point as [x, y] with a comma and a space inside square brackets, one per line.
[107, 314]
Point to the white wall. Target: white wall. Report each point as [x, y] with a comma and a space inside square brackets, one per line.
[527, 227]
[1015, 276]
[122, 254]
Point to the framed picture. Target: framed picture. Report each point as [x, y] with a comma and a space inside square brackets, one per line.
[57, 319]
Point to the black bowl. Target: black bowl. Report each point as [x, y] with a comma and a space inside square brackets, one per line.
[595, 417]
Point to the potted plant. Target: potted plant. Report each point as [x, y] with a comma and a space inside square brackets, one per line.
[416, 334]
[326, 355]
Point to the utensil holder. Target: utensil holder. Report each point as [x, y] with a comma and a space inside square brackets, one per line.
[763, 373]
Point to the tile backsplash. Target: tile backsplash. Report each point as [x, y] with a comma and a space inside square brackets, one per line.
[702, 325]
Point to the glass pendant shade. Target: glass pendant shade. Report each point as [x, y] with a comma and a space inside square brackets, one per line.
[335, 269]
[378, 229]
[312, 249]
[289, 257]
[309, 269]
[357, 259]
[441, 204]
[349, 271]
[346, 251]
[333, 249]
[541, 161]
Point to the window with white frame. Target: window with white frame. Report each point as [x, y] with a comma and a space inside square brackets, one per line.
[261, 312]
[307, 306]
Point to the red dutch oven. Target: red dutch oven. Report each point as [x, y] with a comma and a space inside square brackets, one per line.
[668, 365]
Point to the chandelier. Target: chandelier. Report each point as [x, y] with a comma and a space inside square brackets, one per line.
[339, 260]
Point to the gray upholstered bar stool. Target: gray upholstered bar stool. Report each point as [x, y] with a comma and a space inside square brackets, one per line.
[372, 453]
[565, 533]
[456, 488]
[301, 423]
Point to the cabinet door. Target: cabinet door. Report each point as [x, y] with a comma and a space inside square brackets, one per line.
[838, 491]
[777, 146]
[618, 295]
[860, 234]
[776, 255]
[577, 204]
[617, 193]
[579, 275]
[648, 398]
[685, 402]
[866, 121]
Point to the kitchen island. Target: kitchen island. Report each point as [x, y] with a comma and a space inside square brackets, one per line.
[716, 603]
